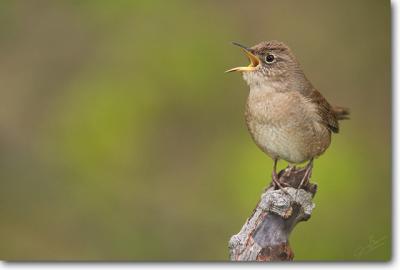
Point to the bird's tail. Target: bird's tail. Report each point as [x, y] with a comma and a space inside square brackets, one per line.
[341, 113]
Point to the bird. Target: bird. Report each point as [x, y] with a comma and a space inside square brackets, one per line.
[286, 116]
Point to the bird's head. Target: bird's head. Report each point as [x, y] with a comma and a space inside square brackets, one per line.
[270, 62]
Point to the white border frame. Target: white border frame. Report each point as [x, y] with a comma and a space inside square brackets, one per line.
[393, 264]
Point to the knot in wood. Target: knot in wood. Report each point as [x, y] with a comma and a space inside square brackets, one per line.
[281, 202]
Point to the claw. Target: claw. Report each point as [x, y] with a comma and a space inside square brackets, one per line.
[275, 179]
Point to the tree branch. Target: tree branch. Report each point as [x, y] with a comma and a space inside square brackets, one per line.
[265, 235]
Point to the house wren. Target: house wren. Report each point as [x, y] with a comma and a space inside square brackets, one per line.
[285, 115]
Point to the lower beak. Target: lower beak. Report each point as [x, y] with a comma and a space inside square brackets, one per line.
[254, 60]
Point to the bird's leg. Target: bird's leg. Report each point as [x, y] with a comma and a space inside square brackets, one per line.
[307, 174]
[275, 177]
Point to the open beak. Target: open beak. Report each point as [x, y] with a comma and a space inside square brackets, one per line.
[254, 61]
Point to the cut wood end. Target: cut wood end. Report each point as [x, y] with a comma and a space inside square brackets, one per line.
[280, 202]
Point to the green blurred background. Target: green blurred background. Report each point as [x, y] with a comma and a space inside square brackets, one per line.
[122, 139]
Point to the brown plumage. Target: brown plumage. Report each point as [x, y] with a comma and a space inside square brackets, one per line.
[329, 114]
[286, 116]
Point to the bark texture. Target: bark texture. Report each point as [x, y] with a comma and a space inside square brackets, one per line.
[265, 235]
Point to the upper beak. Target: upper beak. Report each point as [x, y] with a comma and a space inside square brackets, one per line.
[254, 60]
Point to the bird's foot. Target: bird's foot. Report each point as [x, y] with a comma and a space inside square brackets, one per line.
[307, 175]
[277, 184]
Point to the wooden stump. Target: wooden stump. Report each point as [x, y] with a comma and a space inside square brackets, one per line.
[265, 235]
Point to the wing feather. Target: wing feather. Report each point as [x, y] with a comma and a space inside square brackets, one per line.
[325, 111]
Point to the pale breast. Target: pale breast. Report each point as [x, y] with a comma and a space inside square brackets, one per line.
[285, 126]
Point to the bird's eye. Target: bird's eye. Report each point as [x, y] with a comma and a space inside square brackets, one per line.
[269, 58]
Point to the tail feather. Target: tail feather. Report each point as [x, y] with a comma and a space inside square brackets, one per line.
[341, 113]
